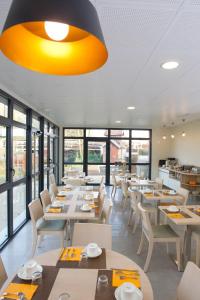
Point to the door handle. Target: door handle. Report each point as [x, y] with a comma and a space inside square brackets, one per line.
[13, 172]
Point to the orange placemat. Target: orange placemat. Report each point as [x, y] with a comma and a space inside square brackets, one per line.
[121, 276]
[28, 289]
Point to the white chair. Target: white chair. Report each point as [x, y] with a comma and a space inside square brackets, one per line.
[42, 227]
[157, 234]
[125, 193]
[135, 214]
[189, 286]
[54, 190]
[196, 238]
[85, 233]
[101, 181]
[45, 198]
[185, 194]
[106, 212]
[3, 274]
[159, 183]
[116, 184]
[52, 179]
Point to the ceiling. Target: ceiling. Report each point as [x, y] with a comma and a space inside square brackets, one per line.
[140, 36]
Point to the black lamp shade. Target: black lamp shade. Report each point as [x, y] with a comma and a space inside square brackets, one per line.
[25, 42]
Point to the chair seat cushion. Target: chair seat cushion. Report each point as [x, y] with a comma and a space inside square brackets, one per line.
[50, 225]
[163, 231]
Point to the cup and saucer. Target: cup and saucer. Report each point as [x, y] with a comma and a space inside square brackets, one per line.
[173, 209]
[56, 204]
[28, 269]
[85, 207]
[128, 291]
[93, 250]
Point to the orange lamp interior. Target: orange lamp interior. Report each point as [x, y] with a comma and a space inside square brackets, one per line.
[28, 45]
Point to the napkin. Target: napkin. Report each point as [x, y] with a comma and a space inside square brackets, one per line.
[121, 276]
[71, 254]
[28, 289]
[54, 210]
[175, 216]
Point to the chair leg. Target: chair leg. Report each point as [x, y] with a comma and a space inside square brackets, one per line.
[197, 251]
[69, 231]
[141, 244]
[112, 190]
[130, 217]
[136, 223]
[150, 250]
[63, 240]
[178, 253]
[34, 244]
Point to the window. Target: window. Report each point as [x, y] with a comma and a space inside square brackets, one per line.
[140, 151]
[19, 205]
[3, 218]
[36, 122]
[73, 132]
[119, 150]
[96, 133]
[102, 152]
[3, 107]
[2, 154]
[19, 152]
[73, 151]
[19, 114]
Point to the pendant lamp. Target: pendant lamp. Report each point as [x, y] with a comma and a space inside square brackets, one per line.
[58, 37]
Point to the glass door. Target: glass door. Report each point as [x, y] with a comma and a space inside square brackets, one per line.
[97, 159]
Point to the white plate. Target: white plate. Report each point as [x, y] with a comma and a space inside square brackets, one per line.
[95, 255]
[22, 273]
[172, 193]
[62, 193]
[117, 293]
[85, 209]
[56, 204]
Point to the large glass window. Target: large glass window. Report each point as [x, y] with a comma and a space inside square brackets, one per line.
[2, 154]
[96, 152]
[3, 107]
[129, 150]
[119, 151]
[19, 152]
[19, 114]
[19, 205]
[140, 151]
[73, 151]
[68, 168]
[3, 217]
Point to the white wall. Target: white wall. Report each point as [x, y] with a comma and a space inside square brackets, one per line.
[187, 149]
[161, 149]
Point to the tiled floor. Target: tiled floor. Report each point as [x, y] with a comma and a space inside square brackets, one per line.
[162, 273]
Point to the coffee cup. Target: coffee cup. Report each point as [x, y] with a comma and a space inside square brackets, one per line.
[92, 248]
[30, 267]
[129, 291]
[173, 208]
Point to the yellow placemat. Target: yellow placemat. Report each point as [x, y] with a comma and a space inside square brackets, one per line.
[54, 210]
[60, 198]
[121, 276]
[28, 289]
[148, 194]
[197, 210]
[175, 216]
[94, 206]
[71, 254]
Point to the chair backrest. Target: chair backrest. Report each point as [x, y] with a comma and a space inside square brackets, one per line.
[114, 181]
[3, 274]
[45, 198]
[52, 179]
[36, 212]
[189, 286]
[85, 233]
[159, 182]
[185, 193]
[124, 189]
[102, 180]
[106, 212]
[146, 224]
[54, 189]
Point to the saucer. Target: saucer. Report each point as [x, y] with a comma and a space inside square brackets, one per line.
[22, 272]
[85, 208]
[117, 294]
[99, 252]
[173, 208]
[62, 194]
[56, 204]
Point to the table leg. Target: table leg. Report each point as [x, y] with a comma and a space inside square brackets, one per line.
[158, 211]
[187, 245]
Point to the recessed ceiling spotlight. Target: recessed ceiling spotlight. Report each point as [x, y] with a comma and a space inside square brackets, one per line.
[172, 136]
[118, 122]
[170, 65]
[164, 137]
[131, 107]
[183, 134]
